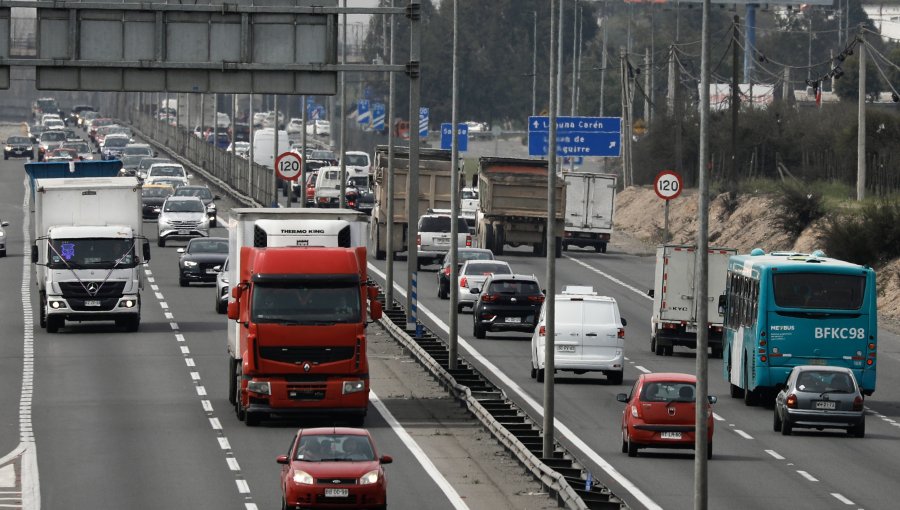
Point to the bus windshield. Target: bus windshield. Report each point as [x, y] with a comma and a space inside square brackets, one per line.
[819, 291]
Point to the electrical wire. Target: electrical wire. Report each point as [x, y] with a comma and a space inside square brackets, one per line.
[783, 31]
[880, 71]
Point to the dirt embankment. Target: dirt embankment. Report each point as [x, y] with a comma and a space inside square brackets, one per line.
[640, 214]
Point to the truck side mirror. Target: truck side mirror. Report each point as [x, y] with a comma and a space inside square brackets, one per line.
[624, 322]
[722, 303]
[236, 292]
[375, 311]
[34, 253]
[372, 292]
[146, 250]
[651, 293]
[234, 312]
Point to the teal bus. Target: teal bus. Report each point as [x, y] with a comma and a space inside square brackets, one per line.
[787, 309]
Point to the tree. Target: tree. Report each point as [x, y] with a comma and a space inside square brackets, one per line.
[847, 86]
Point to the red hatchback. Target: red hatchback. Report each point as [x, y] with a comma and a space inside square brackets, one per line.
[660, 413]
[333, 468]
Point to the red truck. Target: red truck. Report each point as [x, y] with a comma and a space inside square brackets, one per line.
[301, 315]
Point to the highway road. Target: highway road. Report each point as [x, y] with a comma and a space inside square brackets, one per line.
[753, 466]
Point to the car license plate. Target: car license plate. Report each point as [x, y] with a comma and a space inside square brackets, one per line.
[670, 435]
[184, 232]
[442, 240]
[337, 493]
[565, 348]
[817, 361]
[92, 302]
[513, 320]
[826, 404]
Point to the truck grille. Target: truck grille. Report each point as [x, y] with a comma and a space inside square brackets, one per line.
[103, 289]
[298, 355]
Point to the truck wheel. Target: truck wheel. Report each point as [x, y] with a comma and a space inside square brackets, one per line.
[499, 241]
[750, 396]
[736, 391]
[54, 323]
[232, 380]
[602, 248]
[538, 249]
[657, 348]
[488, 241]
[3, 253]
[716, 351]
[540, 375]
[42, 310]
[379, 253]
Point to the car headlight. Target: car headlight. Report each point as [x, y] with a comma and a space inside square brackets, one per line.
[189, 263]
[302, 477]
[2, 234]
[369, 478]
[263, 388]
[8, 148]
[353, 387]
[225, 280]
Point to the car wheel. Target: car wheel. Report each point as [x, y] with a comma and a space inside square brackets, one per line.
[540, 375]
[212, 224]
[161, 242]
[632, 448]
[624, 443]
[786, 427]
[284, 505]
[533, 372]
[669, 350]
[858, 430]
[182, 282]
[615, 377]
[776, 420]
[478, 331]
[221, 306]
[54, 323]
[442, 292]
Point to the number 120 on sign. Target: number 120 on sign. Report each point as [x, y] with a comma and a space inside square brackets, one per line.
[667, 185]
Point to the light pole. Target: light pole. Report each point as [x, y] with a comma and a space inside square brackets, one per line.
[454, 194]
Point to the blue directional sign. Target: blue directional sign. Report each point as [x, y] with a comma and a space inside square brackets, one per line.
[423, 122]
[576, 136]
[378, 116]
[462, 137]
[363, 116]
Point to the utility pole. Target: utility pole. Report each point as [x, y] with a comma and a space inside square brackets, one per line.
[647, 73]
[414, 13]
[603, 63]
[701, 492]
[550, 304]
[215, 125]
[574, 55]
[861, 119]
[250, 154]
[389, 232]
[302, 198]
[534, 67]
[580, 50]
[342, 200]
[670, 87]
[275, 151]
[454, 195]
[735, 98]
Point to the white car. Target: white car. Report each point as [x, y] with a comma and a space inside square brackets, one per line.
[590, 335]
[328, 187]
[295, 126]
[471, 277]
[240, 149]
[468, 205]
[358, 163]
[318, 127]
[169, 172]
[435, 236]
[3, 238]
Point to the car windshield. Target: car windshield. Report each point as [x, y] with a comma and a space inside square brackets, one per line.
[440, 224]
[138, 151]
[820, 291]
[147, 162]
[47, 105]
[115, 142]
[306, 303]
[321, 155]
[668, 391]
[818, 381]
[357, 160]
[207, 246]
[514, 287]
[82, 148]
[201, 193]
[167, 171]
[53, 136]
[18, 140]
[120, 130]
[88, 253]
[334, 448]
[156, 192]
[359, 182]
[184, 206]
[487, 268]
[131, 161]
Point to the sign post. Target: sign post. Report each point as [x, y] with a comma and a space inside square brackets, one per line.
[288, 166]
[668, 185]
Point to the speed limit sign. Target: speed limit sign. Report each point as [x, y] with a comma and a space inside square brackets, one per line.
[288, 165]
[667, 185]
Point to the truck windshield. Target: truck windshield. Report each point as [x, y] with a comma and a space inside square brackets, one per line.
[305, 303]
[91, 253]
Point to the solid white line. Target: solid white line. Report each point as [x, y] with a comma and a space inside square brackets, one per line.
[775, 454]
[610, 277]
[808, 476]
[743, 434]
[576, 441]
[642, 369]
[418, 454]
[842, 499]
[31, 485]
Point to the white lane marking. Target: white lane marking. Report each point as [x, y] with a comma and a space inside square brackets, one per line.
[179, 337]
[159, 296]
[775, 454]
[201, 391]
[250, 506]
[417, 452]
[173, 325]
[163, 304]
[717, 417]
[224, 444]
[8, 477]
[207, 405]
[169, 316]
[242, 486]
[185, 349]
[232, 464]
[148, 272]
[610, 277]
[215, 423]
[30, 481]
[576, 441]
[743, 434]
[842, 499]
[642, 369]
[154, 288]
[195, 376]
[808, 476]
[151, 280]
[189, 362]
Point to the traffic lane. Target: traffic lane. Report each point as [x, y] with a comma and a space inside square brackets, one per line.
[578, 405]
[11, 318]
[255, 448]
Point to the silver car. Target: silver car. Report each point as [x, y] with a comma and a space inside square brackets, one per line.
[472, 276]
[222, 288]
[820, 397]
[182, 217]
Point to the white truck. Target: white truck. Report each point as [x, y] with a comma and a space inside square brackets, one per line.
[88, 250]
[675, 306]
[590, 203]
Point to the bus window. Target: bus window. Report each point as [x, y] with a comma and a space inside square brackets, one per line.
[811, 290]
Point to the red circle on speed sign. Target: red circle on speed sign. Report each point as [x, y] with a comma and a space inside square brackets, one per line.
[667, 185]
[288, 166]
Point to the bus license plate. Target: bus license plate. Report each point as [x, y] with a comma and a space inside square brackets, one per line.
[91, 302]
[670, 435]
[565, 348]
[337, 493]
[825, 404]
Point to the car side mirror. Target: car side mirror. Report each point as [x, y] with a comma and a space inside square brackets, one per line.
[4, 223]
[216, 197]
[622, 397]
[180, 250]
[722, 302]
[386, 459]
[475, 291]
[190, 176]
[282, 459]
[651, 293]
[146, 251]
[624, 322]
[375, 310]
[217, 269]
[34, 253]
[712, 399]
[234, 312]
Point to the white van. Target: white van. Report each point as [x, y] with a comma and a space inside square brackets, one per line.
[590, 335]
[328, 187]
[264, 146]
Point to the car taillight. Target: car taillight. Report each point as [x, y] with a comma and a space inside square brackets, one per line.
[791, 401]
[542, 331]
[418, 240]
[536, 299]
[489, 298]
[621, 333]
[858, 404]
[463, 282]
[468, 241]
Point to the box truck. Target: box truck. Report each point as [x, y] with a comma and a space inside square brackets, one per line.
[590, 204]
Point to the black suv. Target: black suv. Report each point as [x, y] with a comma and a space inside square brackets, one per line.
[509, 302]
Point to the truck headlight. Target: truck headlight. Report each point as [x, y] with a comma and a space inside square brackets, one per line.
[189, 263]
[127, 303]
[369, 478]
[56, 305]
[263, 388]
[302, 477]
[353, 387]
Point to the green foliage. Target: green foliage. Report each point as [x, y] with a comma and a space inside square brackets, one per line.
[870, 235]
[797, 206]
[847, 86]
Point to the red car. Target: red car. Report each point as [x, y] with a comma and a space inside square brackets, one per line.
[660, 413]
[333, 468]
